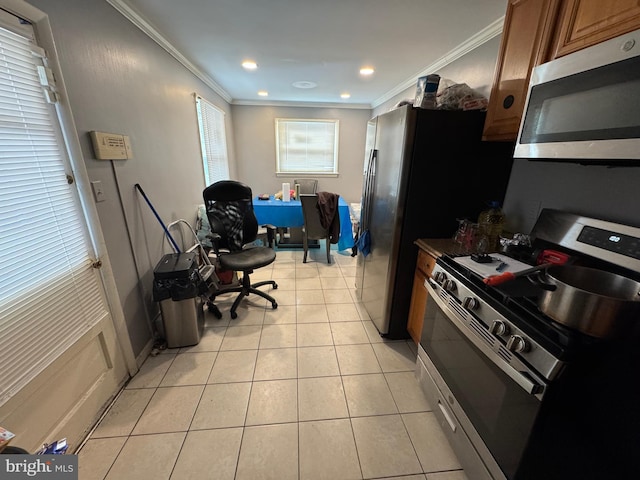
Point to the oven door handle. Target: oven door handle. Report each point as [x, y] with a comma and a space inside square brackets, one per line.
[529, 386]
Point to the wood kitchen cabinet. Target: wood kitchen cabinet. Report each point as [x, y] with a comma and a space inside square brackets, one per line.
[536, 31]
[424, 266]
[526, 41]
[587, 22]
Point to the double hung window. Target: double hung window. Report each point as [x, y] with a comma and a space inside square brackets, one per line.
[307, 147]
[213, 141]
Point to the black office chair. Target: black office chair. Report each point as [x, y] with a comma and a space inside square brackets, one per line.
[233, 226]
[313, 229]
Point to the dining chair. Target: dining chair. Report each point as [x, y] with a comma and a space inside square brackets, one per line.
[233, 228]
[307, 185]
[313, 229]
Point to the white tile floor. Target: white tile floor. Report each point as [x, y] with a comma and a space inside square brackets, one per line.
[307, 391]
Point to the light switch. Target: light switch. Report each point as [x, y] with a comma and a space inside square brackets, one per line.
[98, 193]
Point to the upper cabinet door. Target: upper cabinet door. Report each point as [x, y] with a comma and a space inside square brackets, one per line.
[587, 22]
[526, 42]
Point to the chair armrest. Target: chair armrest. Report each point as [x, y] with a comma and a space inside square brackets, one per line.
[215, 240]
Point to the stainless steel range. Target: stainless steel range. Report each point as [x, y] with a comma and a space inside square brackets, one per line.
[521, 395]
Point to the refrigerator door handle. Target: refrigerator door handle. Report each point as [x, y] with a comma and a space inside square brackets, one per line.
[371, 184]
[366, 196]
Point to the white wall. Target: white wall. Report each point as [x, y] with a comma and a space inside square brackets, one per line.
[254, 128]
[120, 81]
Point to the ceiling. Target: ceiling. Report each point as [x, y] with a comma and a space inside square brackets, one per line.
[325, 42]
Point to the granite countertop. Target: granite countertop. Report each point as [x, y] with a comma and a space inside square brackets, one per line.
[436, 246]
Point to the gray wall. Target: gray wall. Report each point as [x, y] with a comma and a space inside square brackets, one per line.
[608, 193]
[254, 129]
[476, 69]
[120, 81]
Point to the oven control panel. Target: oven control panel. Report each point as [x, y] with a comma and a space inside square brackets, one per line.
[616, 243]
[611, 241]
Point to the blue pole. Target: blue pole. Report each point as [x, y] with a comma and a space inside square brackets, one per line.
[175, 245]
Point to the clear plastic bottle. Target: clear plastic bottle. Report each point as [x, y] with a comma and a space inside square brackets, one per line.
[490, 225]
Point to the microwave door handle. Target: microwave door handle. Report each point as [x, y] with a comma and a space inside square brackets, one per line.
[529, 386]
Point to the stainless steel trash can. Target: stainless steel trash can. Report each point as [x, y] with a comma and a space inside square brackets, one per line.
[177, 287]
[183, 321]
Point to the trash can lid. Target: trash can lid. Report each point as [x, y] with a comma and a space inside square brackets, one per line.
[176, 265]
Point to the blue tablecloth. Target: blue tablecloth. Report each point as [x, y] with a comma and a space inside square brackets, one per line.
[289, 214]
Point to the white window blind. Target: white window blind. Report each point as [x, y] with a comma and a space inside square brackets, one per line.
[49, 293]
[306, 146]
[213, 141]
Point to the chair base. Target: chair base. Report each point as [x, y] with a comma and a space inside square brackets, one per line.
[245, 289]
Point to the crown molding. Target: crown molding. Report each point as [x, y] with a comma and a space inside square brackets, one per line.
[276, 103]
[492, 30]
[153, 33]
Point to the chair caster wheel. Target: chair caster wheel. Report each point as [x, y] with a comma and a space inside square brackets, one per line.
[275, 286]
[234, 315]
[274, 305]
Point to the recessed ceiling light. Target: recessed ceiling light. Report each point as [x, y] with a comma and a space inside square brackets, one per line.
[366, 71]
[304, 84]
[249, 65]
[345, 95]
[263, 93]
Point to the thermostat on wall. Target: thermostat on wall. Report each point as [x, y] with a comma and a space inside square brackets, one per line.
[111, 146]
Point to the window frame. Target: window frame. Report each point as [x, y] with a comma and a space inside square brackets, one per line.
[336, 142]
[208, 162]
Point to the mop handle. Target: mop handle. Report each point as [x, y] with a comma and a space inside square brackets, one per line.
[166, 231]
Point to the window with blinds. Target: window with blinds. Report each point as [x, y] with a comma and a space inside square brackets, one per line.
[306, 146]
[50, 295]
[213, 141]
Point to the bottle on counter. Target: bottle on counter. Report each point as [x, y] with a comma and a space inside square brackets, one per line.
[490, 225]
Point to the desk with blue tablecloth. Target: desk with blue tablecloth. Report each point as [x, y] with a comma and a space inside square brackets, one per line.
[289, 214]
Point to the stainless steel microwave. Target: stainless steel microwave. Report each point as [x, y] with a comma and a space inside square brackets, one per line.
[585, 107]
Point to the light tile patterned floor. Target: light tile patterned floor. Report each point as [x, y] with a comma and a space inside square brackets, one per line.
[307, 391]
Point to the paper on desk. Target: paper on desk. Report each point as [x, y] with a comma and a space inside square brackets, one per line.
[488, 269]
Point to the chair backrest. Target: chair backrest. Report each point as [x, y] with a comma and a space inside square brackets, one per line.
[229, 206]
[311, 214]
[307, 185]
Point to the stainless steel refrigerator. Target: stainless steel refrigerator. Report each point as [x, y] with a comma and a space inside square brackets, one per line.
[426, 169]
